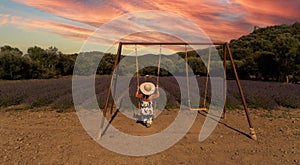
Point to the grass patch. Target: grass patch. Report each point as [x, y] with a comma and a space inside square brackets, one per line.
[62, 106]
[288, 103]
[22, 107]
[6, 101]
[270, 114]
[232, 105]
[267, 115]
[39, 102]
[259, 103]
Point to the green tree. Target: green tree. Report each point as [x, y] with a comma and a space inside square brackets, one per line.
[296, 73]
[65, 64]
[47, 59]
[10, 63]
[106, 64]
[14, 66]
[197, 65]
[286, 47]
[267, 64]
[9, 49]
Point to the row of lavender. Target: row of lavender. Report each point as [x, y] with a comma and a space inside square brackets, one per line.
[57, 93]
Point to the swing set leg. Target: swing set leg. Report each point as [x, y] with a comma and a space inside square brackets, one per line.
[224, 109]
[252, 132]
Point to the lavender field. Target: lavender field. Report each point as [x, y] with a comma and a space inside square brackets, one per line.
[57, 93]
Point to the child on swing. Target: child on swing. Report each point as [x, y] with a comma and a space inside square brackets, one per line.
[147, 90]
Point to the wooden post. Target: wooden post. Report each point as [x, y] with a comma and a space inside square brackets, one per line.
[252, 132]
[109, 91]
[225, 77]
[116, 68]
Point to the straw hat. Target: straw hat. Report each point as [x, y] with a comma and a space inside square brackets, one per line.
[147, 88]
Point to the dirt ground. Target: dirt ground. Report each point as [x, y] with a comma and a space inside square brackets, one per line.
[48, 137]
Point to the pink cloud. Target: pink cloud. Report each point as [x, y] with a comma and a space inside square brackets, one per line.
[70, 31]
[288, 9]
[221, 20]
[81, 11]
[4, 19]
[266, 13]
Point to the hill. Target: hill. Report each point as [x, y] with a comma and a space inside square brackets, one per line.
[270, 53]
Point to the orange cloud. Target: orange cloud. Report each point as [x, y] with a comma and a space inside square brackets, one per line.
[222, 20]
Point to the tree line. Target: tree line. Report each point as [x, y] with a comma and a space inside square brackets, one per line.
[270, 54]
[38, 63]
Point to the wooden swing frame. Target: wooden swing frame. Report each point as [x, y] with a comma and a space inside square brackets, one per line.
[226, 49]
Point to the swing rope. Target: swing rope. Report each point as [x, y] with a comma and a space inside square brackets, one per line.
[137, 76]
[158, 66]
[187, 77]
[207, 74]
[137, 67]
[188, 83]
[158, 73]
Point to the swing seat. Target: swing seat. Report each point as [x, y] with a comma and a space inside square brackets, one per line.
[198, 109]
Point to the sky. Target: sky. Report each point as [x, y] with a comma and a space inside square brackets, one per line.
[67, 24]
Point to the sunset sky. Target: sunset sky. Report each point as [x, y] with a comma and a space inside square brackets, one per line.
[67, 24]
